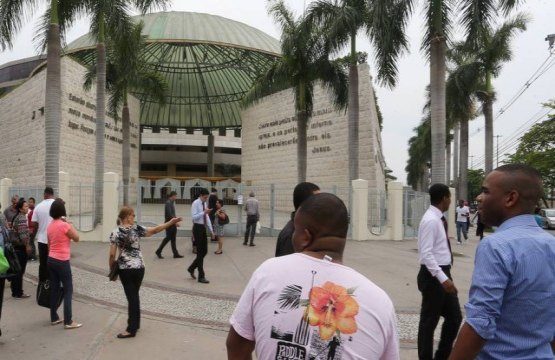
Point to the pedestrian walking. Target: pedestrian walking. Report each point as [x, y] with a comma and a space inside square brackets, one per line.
[253, 216]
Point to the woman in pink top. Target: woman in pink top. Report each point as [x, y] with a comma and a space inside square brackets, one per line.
[60, 233]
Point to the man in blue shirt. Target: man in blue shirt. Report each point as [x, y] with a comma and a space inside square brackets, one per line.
[511, 309]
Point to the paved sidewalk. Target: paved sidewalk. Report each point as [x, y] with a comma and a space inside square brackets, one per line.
[183, 318]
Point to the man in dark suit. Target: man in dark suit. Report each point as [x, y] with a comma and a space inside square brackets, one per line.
[171, 232]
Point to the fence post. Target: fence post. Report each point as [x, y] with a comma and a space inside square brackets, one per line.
[110, 202]
[359, 212]
[395, 209]
[5, 185]
[63, 191]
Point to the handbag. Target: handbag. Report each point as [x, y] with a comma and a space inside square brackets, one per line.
[13, 261]
[44, 291]
[4, 264]
[13, 237]
[223, 221]
[258, 227]
[114, 271]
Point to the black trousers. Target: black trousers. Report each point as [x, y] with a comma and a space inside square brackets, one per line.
[43, 262]
[171, 234]
[436, 302]
[2, 283]
[199, 233]
[131, 279]
[251, 228]
[16, 283]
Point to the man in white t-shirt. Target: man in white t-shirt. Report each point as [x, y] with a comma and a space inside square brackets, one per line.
[308, 305]
[463, 212]
[40, 220]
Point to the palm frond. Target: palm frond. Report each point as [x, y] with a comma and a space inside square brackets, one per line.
[290, 297]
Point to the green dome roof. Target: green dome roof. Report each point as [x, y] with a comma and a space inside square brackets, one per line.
[209, 63]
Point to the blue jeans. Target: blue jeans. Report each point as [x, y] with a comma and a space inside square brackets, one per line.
[462, 226]
[60, 272]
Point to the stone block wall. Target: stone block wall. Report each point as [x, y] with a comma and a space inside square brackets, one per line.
[269, 151]
[22, 135]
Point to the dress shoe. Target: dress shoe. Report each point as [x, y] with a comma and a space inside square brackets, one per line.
[192, 273]
[252, 244]
[159, 254]
[245, 243]
[178, 256]
[125, 336]
[203, 281]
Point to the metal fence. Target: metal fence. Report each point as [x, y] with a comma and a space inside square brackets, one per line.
[377, 211]
[415, 205]
[275, 203]
[79, 206]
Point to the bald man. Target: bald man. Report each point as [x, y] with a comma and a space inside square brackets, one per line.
[308, 304]
[510, 313]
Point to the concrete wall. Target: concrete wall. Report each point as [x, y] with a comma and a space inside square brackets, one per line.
[22, 140]
[269, 152]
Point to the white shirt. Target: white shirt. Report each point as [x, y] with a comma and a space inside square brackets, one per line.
[41, 215]
[362, 316]
[433, 249]
[197, 213]
[461, 211]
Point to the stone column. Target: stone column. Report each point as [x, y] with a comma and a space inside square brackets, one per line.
[359, 210]
[210, 160]
[395, 210]
[110, 201]
[451, 216]
[5, 185]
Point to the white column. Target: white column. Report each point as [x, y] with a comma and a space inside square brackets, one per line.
[451, 227]
[395, 209]
[359, 208]
[5, 185]
[110, 201]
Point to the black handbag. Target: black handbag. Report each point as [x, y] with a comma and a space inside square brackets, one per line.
[114, 271]
[13, 261]
[43, 294]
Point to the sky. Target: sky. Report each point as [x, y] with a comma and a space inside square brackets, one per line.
[402, 106]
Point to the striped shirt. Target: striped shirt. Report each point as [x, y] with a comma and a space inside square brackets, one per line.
[512, 296]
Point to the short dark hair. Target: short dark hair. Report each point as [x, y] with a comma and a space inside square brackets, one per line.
[302, 192]
[31, 198]
[328, 213]
[214, 190]
[203, 191]
[172, 193]
[48, 190]
[529, 184]
[58, 209]
[438, 192]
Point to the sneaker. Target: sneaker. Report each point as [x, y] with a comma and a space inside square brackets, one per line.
[73, 325]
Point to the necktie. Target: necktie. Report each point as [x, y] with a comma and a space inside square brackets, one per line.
[447, 237]
[203, 214]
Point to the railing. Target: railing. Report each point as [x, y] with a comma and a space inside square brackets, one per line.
[415, 205]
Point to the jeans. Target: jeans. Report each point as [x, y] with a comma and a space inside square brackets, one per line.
[462, 226]
[17, 281]
[131, 280]
[251, 228]
[60, 273]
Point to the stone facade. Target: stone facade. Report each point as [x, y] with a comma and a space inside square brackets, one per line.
[269, 150]
[22, 139]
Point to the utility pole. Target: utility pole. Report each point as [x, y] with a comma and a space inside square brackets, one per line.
[497, 161]
[471, 161]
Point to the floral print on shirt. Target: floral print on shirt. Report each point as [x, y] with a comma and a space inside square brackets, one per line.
[127, 241]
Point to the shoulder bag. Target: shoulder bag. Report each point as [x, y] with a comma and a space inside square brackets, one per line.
[13, 261]
[43, 294]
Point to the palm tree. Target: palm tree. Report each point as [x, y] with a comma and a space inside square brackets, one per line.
[494, 49]
[477, 15]
[109, 18]
[304, 61]
[461, 106]
[419, 156]
[127, 72]
[343, 19]
[60, 15]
